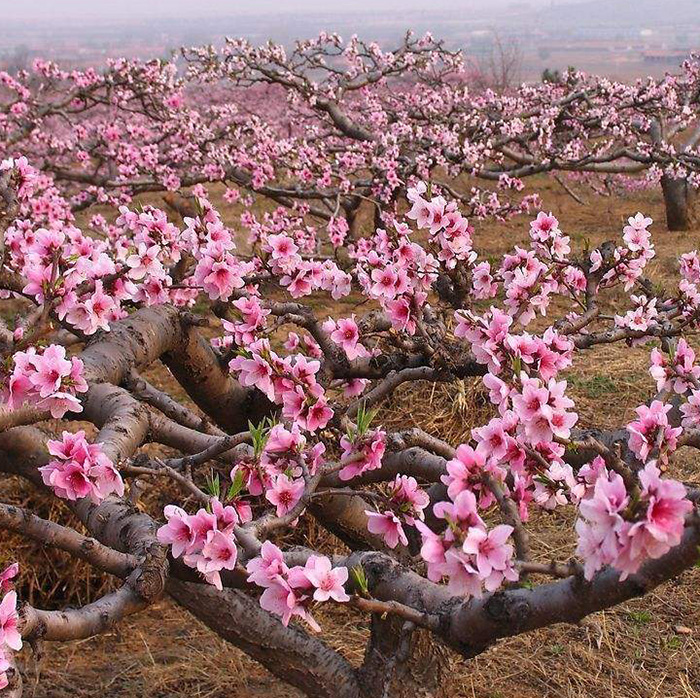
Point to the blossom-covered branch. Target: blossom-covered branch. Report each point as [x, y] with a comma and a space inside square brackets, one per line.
[283, 424]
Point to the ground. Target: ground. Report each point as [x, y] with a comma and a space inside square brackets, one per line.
[647, 648]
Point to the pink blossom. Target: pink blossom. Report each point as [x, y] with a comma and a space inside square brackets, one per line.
[361, 453]
[9, 622]
[544, 227]
[465, 473]
[178, 532]
[408, 499]
[264, 570]
[463, 577]
[327, 580]
[463, 512]
[7, 575]
[678, 374]
[4, 667]
[652, 431]
[661, 528]
[279, 598]
[609, 533]
[69, 480]
[691, 410]
[255, 372]
[47, 380]
[80, 469]
[433, 551]
[284, 493]
[51, 368]
[492, 439]
[385, 282]
[492, 555]
[387, 525]
[201, 523]
[218, 553]
[347, 335]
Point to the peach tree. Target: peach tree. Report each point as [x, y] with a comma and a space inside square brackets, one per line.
[283, 425]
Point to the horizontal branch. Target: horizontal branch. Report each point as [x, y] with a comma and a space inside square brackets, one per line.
[55, 535]
[80, 623]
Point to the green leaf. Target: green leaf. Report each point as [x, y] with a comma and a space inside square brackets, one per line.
[543, 480]
[672, 350]
[364, 419]
[236, 486]
[517, 365]
[359, 579]
[259, 434]
[213, 486]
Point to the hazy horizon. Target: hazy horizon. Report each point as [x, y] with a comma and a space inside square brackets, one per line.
[50, 10]
[618, 38]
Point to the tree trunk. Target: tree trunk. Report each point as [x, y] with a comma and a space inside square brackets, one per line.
[402, 661]
[352, 210]
[677, 198]
[302, 660]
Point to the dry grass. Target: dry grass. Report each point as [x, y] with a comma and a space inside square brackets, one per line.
[161, 653]
[638, 650]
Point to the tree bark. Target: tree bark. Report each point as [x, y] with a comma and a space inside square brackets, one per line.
[402, 661]
[289, 653]
[678, 198]
[197, 369]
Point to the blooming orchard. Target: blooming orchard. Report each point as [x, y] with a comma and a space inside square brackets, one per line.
[287, 425]
[332, 128]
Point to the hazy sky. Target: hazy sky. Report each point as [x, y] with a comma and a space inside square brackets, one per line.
[123, 9]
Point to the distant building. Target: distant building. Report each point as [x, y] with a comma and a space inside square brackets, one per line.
[669, 57]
